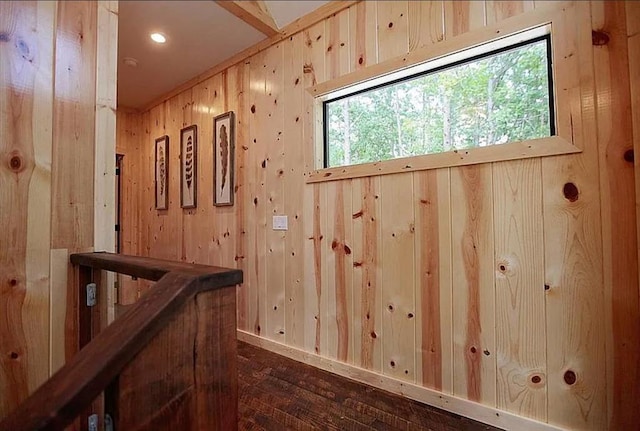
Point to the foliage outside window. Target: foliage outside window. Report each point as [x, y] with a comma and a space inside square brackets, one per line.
[495, 98]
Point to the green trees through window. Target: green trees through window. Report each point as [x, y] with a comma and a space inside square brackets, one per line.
[496, 99]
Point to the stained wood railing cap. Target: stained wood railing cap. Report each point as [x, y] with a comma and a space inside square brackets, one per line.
[154, 269]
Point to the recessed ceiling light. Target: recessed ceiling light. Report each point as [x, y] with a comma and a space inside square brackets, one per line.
[158, 38]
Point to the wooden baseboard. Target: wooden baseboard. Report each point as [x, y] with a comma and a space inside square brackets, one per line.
[460, 406]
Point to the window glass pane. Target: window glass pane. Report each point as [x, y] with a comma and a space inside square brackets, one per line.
[502, 97]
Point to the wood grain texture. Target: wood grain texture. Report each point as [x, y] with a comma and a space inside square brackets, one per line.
[463, 16]
[129, 141]
[293, 139]
[472, 236]
[393, 29]
[256, 214]
[367, 273]
[274, 185]
[575, 310]
[337, 44]
[426, 23]
[155, 328]
[633, 30]
[619, 229]
[363, 40]
[253, 13]
[26, 99]
[485, 215]
[398, 277]
[340, 271]
[434, 354]
[242, 86]
[519, 288]
[279, 393]
[72, 218]
[313, 56]
[497, 10]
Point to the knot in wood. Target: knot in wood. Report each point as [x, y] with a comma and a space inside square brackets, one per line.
[23, 49]
[599, 37]
[15, 163]
[570, 377]
[570, 192]
[629, 156]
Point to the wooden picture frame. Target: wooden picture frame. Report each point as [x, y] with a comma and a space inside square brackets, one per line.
[223, 156]
[189, 167]
[161, 160]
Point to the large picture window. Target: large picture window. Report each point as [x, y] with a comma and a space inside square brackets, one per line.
[500, 96]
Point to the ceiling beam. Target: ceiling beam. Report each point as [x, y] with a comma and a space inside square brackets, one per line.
[254, 13]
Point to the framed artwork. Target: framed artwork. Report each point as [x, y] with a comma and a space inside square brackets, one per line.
[223, 150]
[162, 173]
[189, 167]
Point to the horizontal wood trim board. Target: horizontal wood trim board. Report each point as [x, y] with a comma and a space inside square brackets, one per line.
[323, 12]
[479, 412]
[551, 146]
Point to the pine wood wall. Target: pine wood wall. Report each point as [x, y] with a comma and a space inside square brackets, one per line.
[511, 284]
[57, 121]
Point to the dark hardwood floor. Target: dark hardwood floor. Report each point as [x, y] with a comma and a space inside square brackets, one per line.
[277, 393]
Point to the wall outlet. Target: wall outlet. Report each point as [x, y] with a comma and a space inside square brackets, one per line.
[280, 223]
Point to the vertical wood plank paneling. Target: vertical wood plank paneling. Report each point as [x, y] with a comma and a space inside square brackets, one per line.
[256, 214]
[313, 73]
[617, 185]
[275, 240]
[292, 137]
[74, 126]
[200, 224]
[26, 99]
[426, 23]
[474, 329]
[363, 39]
[497, 10]
[393, 29]
[129, 144]
[633, 32]
[474, 346]
[105, 130]
[235, 92]
[434, 355]
[184, 118]
[221, 248]
[244, 198]
[172, 238]
[337, 45]
[577, 389]
[520, 331]
[105, 141]
[461, 16]
[398, 273]
[339, 274]
[157, 218]
[367, 273]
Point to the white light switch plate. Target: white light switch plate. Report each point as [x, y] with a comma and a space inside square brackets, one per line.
[280, 223]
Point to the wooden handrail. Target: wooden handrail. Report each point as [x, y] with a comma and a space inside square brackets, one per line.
[72, 389]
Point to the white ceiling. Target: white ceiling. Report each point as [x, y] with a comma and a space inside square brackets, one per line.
[200, 34]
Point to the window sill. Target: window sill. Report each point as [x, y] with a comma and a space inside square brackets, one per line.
[554, 145]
